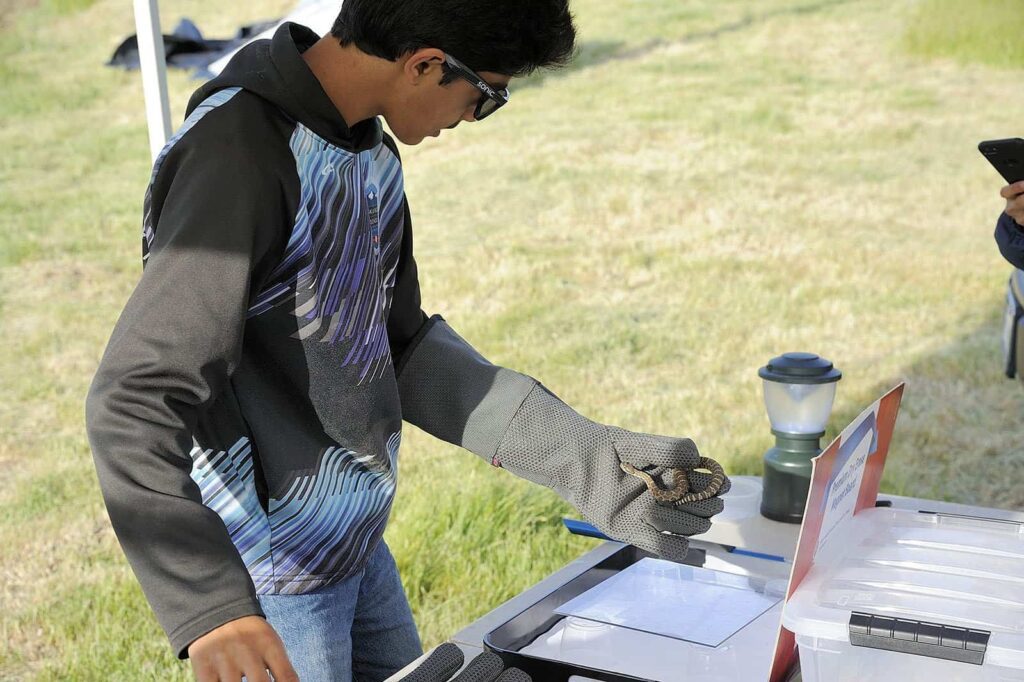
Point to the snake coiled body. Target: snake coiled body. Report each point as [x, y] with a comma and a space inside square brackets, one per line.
[680, 493]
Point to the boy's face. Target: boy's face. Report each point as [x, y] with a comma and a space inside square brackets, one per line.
[422, 107]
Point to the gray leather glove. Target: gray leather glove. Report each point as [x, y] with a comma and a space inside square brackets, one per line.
[549, 443]
[445, 661]
[510, 420]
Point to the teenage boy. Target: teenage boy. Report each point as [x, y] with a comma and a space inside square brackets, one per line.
[246, 416]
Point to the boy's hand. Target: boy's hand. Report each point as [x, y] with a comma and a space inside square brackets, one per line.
[1014, 195]
[247, 646]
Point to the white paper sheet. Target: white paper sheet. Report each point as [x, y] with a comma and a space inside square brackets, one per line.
[669, 599]
[744, 656]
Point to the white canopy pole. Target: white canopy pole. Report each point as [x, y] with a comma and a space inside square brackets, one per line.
[154, 73]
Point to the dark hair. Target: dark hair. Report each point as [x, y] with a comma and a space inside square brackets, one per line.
[510, 37]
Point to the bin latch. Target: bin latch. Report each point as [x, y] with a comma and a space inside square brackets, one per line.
[918, 637]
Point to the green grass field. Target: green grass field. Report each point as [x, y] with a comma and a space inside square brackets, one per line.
[713, 182]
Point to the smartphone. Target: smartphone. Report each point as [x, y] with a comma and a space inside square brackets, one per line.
[1006, 156]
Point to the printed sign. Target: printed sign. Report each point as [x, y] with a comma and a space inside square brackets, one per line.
[844, 480]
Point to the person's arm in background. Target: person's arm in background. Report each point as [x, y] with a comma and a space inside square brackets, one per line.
[1010, 228]
[171, 352]
[512, 421]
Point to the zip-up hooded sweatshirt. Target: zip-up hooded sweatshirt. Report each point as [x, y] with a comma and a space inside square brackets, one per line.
[245, 419]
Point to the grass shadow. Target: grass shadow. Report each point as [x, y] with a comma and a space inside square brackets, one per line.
[960, 433]
[595, 53]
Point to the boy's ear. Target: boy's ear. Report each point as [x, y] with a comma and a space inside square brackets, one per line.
[421, 64]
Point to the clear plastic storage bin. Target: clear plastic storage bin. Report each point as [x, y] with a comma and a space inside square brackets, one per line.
[913, 596]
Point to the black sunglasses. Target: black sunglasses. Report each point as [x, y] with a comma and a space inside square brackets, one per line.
[490, 99]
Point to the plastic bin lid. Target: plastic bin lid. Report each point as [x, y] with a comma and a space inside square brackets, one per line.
[958, 571]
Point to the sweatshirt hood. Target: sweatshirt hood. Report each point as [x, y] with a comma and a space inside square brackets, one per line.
[275, 70]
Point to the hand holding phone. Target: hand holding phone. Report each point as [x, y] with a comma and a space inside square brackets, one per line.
[1014, 195]
[1007, 157]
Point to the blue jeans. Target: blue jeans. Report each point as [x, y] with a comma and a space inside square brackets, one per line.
[360, 629]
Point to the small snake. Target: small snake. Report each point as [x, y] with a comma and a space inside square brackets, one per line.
[680, 493]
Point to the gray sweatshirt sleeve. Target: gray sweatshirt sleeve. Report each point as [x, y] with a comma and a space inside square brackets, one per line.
[214, 216]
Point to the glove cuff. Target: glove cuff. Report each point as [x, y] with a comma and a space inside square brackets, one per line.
[546, 441]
